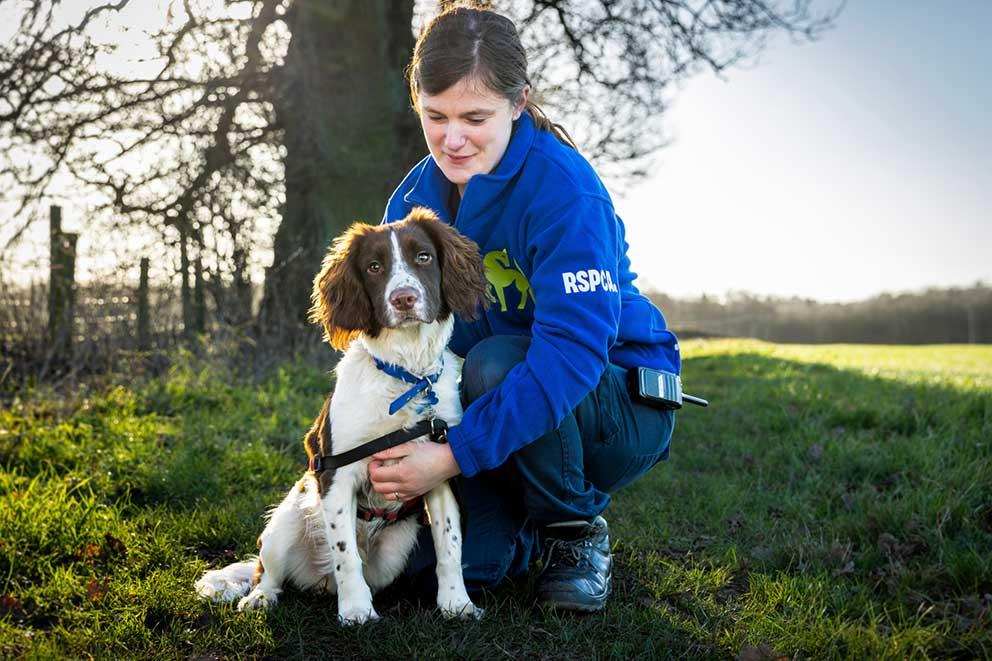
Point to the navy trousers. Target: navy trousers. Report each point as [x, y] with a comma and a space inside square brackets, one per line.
[567, 474]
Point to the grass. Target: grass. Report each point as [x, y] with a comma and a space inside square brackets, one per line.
[834, 502]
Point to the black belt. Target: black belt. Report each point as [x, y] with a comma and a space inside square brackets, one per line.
[435, 428]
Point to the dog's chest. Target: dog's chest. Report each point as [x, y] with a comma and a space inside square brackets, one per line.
[363, 395]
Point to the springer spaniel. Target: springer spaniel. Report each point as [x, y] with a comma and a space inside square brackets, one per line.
[385, 296]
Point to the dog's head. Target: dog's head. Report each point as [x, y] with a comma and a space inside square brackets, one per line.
[417, 270]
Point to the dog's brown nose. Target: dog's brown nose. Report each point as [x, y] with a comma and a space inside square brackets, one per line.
[403, 299]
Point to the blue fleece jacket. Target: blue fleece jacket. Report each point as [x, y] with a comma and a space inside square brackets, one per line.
[557, 266]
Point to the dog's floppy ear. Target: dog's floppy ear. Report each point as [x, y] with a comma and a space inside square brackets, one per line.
[340, 303]
[463, 278]
[318, 444]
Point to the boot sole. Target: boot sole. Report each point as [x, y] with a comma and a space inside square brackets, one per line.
[555, 604]
[564, 601]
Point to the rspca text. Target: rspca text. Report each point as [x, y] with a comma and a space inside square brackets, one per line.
[588, 280]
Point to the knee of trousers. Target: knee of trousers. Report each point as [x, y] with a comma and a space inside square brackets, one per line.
[488, 363]
[502, 557]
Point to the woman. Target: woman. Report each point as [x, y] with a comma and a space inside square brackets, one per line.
[549, 428]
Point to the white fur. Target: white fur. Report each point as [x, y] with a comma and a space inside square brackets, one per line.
[400, 275]
[318, 542]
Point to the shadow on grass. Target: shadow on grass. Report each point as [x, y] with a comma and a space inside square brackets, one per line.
[513, 627]
[869, 497]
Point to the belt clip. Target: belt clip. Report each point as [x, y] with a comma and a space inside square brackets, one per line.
[439, 430]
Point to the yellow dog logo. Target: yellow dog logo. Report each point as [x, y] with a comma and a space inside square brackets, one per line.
[501, 275]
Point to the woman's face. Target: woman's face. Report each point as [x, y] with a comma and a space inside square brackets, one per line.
[467, 128]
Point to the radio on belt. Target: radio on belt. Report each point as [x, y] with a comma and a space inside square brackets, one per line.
[660, 389]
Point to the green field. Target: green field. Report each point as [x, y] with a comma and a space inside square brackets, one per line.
[833, 502]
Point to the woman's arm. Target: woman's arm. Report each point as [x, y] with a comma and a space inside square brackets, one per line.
[574, 249]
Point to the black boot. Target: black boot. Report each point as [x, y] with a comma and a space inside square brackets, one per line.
[577, 566]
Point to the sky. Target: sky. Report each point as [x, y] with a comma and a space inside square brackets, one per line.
[857, 164]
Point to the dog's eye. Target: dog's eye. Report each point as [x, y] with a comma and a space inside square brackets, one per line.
[424, 258]
[374, 267]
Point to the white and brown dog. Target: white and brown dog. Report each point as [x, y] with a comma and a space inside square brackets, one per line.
[385, 296]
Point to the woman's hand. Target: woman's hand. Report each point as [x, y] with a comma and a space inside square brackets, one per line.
[421, 467]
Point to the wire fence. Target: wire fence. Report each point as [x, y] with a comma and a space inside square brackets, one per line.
[104, 328]
[61, 328]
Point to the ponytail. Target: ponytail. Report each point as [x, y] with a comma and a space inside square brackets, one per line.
[544, 123]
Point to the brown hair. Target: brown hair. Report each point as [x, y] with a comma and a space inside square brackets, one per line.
[467, 41]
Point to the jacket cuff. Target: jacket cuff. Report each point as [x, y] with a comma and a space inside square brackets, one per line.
[462, 452]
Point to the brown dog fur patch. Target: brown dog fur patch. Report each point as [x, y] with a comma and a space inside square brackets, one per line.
[318, 444]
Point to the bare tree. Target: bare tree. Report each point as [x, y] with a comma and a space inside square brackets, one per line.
[349, 136]
[275, 123]
[189, 149]
[606, 68]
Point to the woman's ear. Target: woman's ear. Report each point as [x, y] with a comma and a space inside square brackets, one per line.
[463, 278]
[521, 103]
[340, 303]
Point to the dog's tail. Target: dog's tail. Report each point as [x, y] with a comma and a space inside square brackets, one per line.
[227, 584]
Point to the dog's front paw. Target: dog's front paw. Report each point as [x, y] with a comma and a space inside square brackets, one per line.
[350, 616]
[256, 600]
[463, 610]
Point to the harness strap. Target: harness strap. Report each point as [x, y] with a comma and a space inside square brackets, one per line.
[410, 507]
[435, 428]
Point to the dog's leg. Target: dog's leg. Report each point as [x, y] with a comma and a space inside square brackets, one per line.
[446, 529]
[340, 511]
[276, 551]
[228, 583]
[236, 580]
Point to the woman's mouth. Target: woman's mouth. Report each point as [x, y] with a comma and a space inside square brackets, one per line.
[459, 160]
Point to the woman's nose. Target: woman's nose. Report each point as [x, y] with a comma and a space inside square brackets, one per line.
[454, 138]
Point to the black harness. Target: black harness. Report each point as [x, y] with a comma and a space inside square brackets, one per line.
[435, 429]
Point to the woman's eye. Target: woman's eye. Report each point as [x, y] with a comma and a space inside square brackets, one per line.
[424, 258]
[475, 121]
[374, 267]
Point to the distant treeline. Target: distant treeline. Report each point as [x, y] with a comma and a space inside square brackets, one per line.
[935, 316]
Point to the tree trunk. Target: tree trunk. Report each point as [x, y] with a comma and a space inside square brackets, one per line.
[350, 136]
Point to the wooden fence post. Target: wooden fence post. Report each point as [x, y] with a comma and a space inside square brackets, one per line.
[144, 335]
[199, 300]
[61, 286]
[185, 296]
[55, 302]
